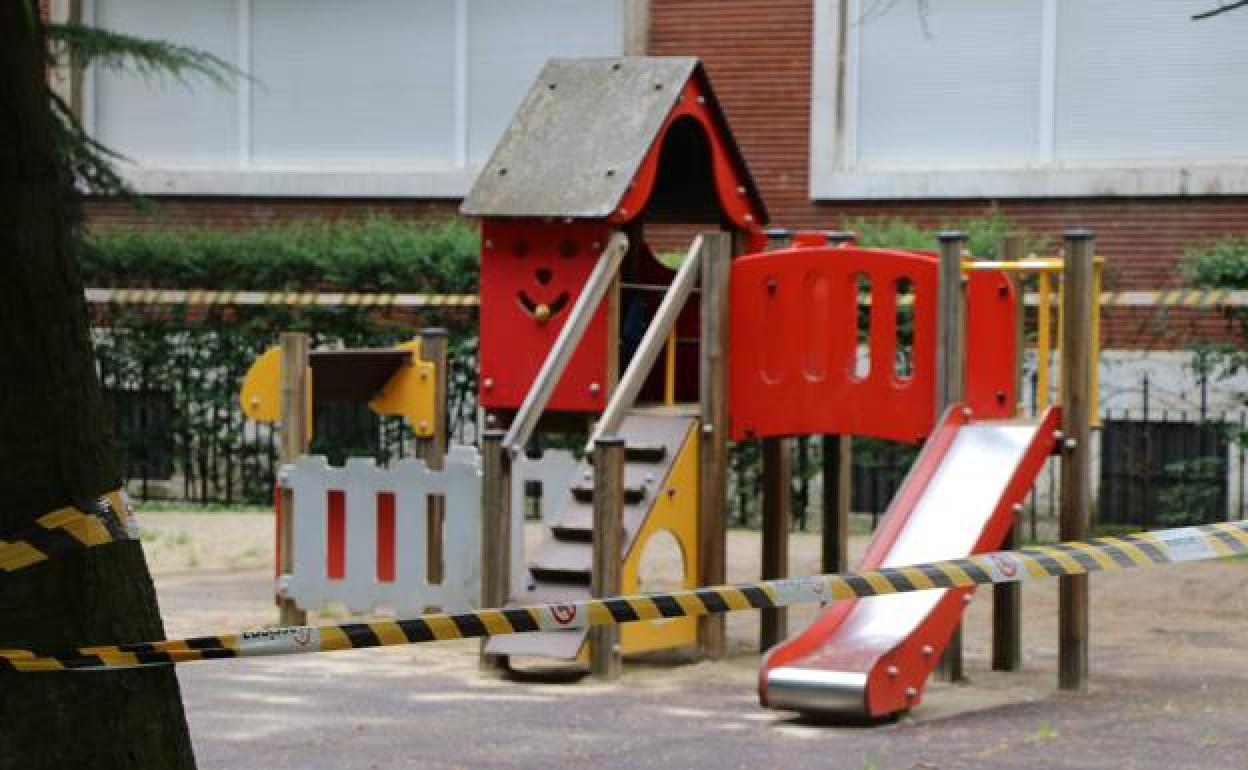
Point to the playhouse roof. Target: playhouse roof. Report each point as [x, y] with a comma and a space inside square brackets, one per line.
[579, 137]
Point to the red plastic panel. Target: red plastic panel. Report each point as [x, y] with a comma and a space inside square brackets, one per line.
[730, 184]
[991, 344]
[385, 537]
[336, 536]
[794, 344]
[531, 274]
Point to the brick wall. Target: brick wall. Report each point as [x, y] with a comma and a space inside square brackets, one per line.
[758, 55]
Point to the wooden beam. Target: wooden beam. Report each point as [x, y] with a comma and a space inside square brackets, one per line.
[951, 323]
[604, 641]
[713, 437]
[433, 349]
[495, 531]
[951, 381]
[296, 409]
[662, 325]
[1007, 598]
[1076, 492]
[837, 464]
[777, 516]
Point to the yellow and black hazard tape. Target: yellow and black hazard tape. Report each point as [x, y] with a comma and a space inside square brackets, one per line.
[1195, 298]
[1204, 299]
[64, 530]
[289, 298]
[1211, 541]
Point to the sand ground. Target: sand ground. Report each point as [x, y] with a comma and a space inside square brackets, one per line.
[1167, 690]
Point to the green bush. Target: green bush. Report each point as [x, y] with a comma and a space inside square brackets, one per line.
[380, 253]
[1222, 264]
[1192, 493]
[984, 234]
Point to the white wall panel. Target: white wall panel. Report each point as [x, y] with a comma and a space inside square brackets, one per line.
[510, 40]
[1137, 80]
[353, 85]
[159, 120]
[956, 87]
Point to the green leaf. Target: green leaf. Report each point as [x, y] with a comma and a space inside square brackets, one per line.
[81, 46]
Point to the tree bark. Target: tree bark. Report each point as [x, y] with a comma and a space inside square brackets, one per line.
[56, 450]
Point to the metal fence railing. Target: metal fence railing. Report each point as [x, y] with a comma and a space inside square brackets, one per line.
[179, 438]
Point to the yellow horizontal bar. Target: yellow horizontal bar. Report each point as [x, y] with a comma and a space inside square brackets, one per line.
[1028, 265]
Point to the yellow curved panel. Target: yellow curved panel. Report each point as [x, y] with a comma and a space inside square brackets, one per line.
[675, 509]
[410, 393]
[261, 394]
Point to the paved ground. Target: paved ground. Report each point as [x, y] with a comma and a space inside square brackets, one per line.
[1168, 693]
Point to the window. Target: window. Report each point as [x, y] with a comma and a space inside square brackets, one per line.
[1003, 98]
[380, 97]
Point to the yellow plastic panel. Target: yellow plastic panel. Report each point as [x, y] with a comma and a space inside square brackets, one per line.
[675, 509]
[410, 393]
[261, 395]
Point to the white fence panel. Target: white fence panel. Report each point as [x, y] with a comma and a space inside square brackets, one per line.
[411, 483]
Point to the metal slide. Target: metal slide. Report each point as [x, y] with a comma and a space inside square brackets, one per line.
[871, 657]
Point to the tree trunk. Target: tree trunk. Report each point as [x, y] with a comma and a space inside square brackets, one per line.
[55, 450]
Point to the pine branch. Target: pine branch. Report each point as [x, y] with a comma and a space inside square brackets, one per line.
[84, 46]
[90, 162]
[1219, 10]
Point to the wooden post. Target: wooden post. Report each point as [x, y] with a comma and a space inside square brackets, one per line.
[837, 464]
[777, 515]
[837, 475]
[951, 381]
[951, 321]
[1076, 493]
[433, 349]
[1007, 598]
[604, 641]
[777, 520]
[713, 445]
[495, 531]
[296, 418]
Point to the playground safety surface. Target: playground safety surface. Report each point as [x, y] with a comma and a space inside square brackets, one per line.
[1167, 673]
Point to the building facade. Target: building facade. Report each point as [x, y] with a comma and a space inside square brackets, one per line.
[1123, 116]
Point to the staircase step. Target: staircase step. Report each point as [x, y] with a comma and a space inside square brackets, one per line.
[564, 577]
[573, 534]
[584, 493]
[560, 561]
[645, 453]
[650, 454]
[560, 570]
[554, 644]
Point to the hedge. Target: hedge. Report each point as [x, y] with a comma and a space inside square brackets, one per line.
[173, 372]
[379, 253]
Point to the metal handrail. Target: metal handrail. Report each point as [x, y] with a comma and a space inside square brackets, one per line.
[586, 305]
[656, 336]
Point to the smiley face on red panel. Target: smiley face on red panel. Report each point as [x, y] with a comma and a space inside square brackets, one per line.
[543, 301]
[532, 271]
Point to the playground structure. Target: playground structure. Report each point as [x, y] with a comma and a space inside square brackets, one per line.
[818, 337]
